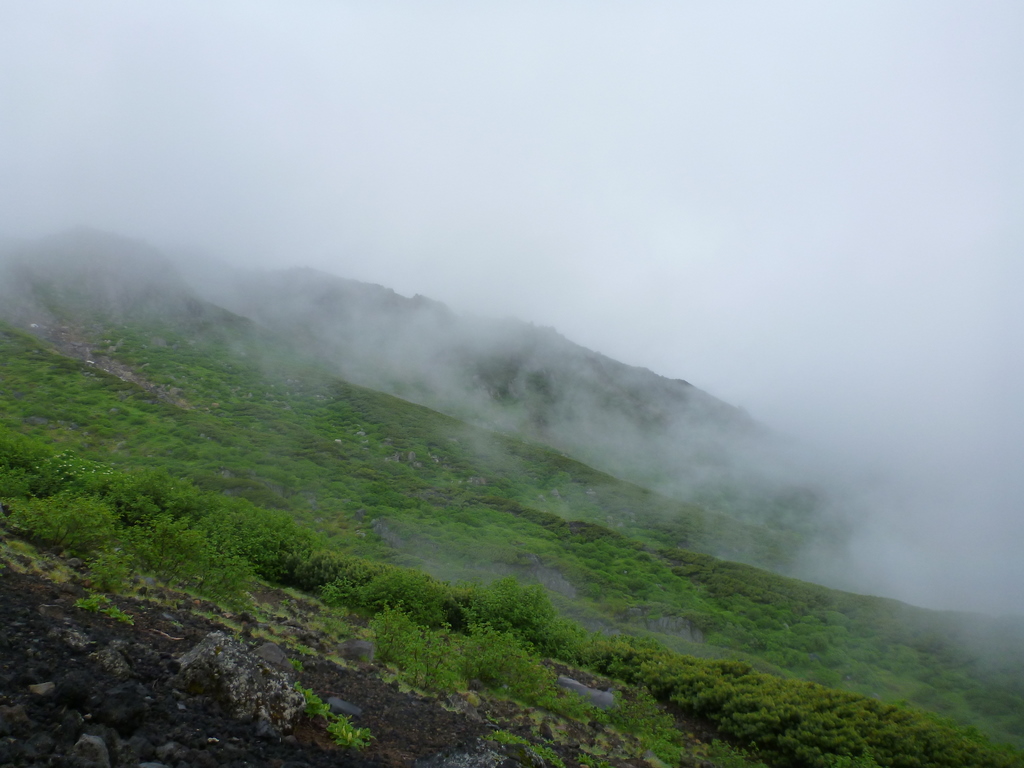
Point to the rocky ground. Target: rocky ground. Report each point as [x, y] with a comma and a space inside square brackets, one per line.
[82, 688]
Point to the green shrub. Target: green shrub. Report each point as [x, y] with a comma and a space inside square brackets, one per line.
[173, 552]
[425, 657]
[794, 723]
[375, 586]
[498, 658]
[527, 613]
[316, 570]
[271, 542]
[426, 600]
[78, 524]
[111, 569]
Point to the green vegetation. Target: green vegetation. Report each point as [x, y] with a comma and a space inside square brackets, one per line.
[505, 629]
[545, 753]
[227, 458]
[344, 733]
[102, 604]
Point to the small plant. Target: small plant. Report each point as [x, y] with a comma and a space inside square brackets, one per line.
[347, 735]
[315, 706]
[102, 604]
[110, 570]
[344, 733]
[296, 664]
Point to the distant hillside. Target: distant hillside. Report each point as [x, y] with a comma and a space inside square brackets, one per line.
[504, 375]
[113, 359]
[518, 378]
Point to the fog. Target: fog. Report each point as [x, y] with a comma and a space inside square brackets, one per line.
[808, 210]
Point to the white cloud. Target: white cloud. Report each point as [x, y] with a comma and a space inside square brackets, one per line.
[810, 210]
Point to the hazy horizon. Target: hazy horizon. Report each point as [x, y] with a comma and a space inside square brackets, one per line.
[811, 212]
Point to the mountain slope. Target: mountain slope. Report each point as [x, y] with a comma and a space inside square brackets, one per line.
[142, 373]
[514, 377]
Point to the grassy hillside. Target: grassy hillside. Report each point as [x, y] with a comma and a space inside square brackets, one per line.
[437, 637]
[212, 398]
[504, 375]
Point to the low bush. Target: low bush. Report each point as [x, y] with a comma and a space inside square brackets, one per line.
[375, 586]
[79, 524]
[178, 554]
[425, 657]
[527, 613]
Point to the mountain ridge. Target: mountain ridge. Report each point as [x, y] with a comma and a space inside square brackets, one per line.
[391, 481]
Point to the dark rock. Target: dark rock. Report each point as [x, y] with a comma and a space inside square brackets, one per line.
[29, 677]
[245, 685]
[10, 751]
[14, 721]
[90, 752]
[356, 650]
[266, 730]
[122, 753]
[70, 727]
[275, 657]
[123, 708]
[113, 659]
[73, 690]
[460, 704]
[51, 611]
[142, 746]
[73, 638]
[341, 707]
[202, 759]
[170, 753]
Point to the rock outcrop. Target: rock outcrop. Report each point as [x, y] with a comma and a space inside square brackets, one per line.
[246, 686]
[601, 699]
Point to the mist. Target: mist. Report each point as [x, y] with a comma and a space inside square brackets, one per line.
[811, 212]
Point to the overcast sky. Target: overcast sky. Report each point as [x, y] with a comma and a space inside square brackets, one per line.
[812, 210]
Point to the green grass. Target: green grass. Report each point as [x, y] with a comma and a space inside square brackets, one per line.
[260, 434]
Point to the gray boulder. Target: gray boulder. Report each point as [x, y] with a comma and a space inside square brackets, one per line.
[356, 650]
[246, 686]
[342, 707]
[601, 699]
[114, 660]
[275, 657]
[90, 752]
